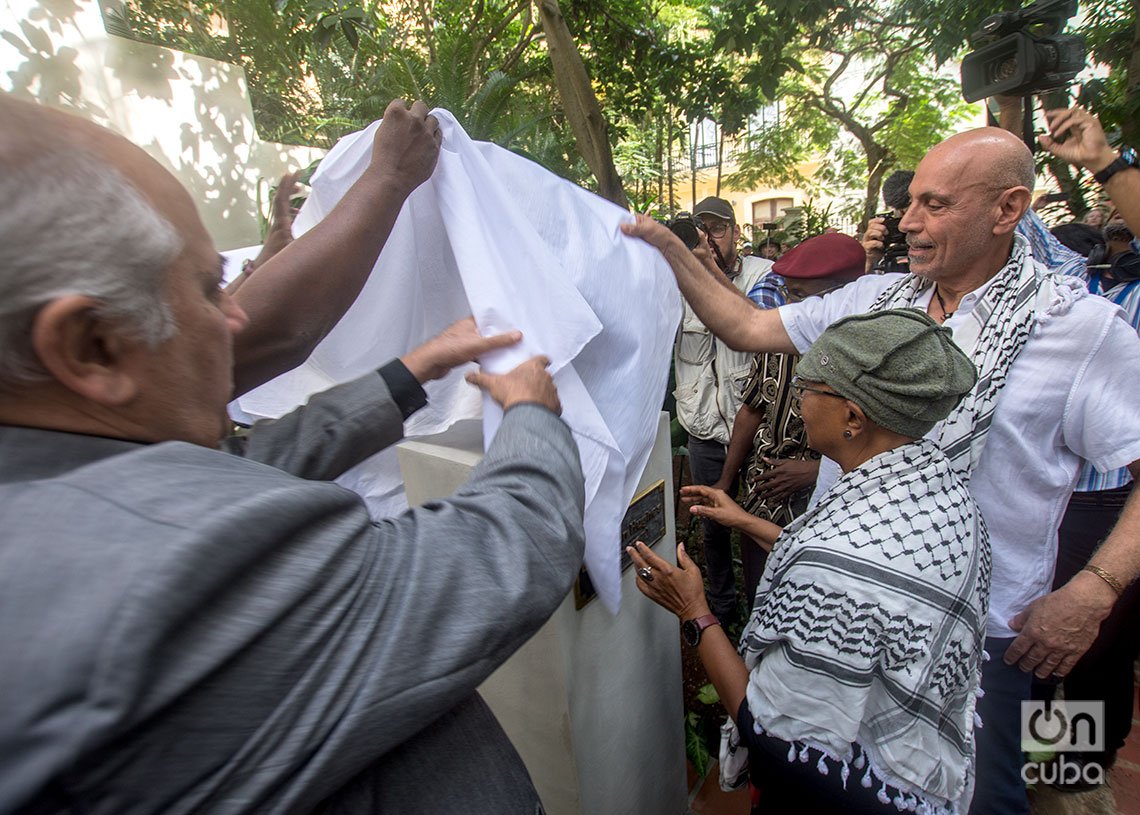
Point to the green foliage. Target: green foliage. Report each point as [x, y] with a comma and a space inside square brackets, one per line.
[867, 99]
[299, 57]
[695, 748]
[320, 68]
[708, 695]
[1109, 30]
[659, 65]
[797, 224]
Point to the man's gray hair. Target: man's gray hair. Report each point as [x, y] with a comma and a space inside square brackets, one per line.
[72, 224]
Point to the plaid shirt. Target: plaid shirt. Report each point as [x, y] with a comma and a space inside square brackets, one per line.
[768, 291]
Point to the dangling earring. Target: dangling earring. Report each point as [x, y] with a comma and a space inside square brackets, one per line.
[846, 434]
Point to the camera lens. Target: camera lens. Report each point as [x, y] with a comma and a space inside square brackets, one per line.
[687, 232]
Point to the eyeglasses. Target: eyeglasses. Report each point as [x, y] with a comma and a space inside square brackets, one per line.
[716, 228]
[799, 388]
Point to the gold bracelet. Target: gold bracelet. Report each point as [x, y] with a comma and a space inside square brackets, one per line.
[1113, 583]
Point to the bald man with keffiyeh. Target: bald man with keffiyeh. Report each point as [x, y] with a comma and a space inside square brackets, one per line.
[1058, 381]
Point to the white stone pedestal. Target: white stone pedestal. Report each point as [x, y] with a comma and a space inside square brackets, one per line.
[592, 702]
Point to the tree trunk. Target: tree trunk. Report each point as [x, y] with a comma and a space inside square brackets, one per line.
[1063, 173]
[591, 135]
[719, 157]
[876, 169]
[692, 169]
[657, 161]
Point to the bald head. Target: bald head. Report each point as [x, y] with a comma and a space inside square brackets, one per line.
[967, 197]
[989, 154]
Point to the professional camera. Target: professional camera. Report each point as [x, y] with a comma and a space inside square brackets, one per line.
[1023, 52]
[894, 242]
[687, 228]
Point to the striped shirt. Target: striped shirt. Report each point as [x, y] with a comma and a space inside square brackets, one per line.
[1060, 258]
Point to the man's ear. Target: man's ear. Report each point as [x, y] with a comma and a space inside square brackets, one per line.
[85, 352]
[1012, 205]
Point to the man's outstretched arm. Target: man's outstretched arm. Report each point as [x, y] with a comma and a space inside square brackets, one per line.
[731, 316]
[303, 291]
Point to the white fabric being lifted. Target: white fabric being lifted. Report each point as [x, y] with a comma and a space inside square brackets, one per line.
[497, 236]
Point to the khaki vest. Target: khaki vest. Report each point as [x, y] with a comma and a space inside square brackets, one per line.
[710, 375]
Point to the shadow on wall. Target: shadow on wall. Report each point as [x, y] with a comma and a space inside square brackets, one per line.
[191, 113]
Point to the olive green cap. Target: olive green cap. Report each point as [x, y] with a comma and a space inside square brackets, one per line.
[900, 366]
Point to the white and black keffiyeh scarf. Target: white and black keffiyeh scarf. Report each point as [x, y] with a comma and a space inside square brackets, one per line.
[866, 638]
[995, 331]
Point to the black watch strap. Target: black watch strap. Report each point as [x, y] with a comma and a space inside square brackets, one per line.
[1127, 158]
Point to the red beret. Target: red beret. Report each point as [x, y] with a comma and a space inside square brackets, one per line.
[828, 255]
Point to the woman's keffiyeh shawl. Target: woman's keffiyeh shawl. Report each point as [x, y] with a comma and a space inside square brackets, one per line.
[865, 642]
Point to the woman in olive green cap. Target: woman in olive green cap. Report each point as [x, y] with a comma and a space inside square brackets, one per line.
[855, 684]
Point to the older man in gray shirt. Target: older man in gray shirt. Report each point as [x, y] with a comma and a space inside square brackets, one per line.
[186, 629]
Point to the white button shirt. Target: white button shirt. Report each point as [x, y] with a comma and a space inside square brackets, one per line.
[1073, 393]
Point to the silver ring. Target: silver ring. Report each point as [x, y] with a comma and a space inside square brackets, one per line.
[646, 573]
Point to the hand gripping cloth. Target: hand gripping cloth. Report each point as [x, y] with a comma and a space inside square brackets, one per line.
[497, 236]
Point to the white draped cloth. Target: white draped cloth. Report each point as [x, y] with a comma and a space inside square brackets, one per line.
[497, 236]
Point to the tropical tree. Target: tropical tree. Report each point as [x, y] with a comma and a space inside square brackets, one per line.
[562, 81]
[1110, 29]
[867, 98]
[1111, 32]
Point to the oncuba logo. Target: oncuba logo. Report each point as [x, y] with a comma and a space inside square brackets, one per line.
[1051, 729]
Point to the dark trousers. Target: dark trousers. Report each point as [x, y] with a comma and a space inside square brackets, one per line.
[999, 788]
[706, 460]
[787, 787]
[1105, 672]
[798, 786]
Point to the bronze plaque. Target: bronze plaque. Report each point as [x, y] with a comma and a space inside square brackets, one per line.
[644, 521]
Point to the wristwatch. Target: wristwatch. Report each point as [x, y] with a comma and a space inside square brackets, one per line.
[691, 629]
[1128, 158]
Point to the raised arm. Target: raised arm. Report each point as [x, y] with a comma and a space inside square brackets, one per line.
[1085, 146]
[731, 316]
[679, 589]
[286, 320]
[280, 231]
[716, 505]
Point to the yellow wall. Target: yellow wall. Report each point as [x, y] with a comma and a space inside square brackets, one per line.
[743, 199]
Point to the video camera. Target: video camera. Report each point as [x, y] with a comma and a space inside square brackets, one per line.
[688, 228]
[1023, 52]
